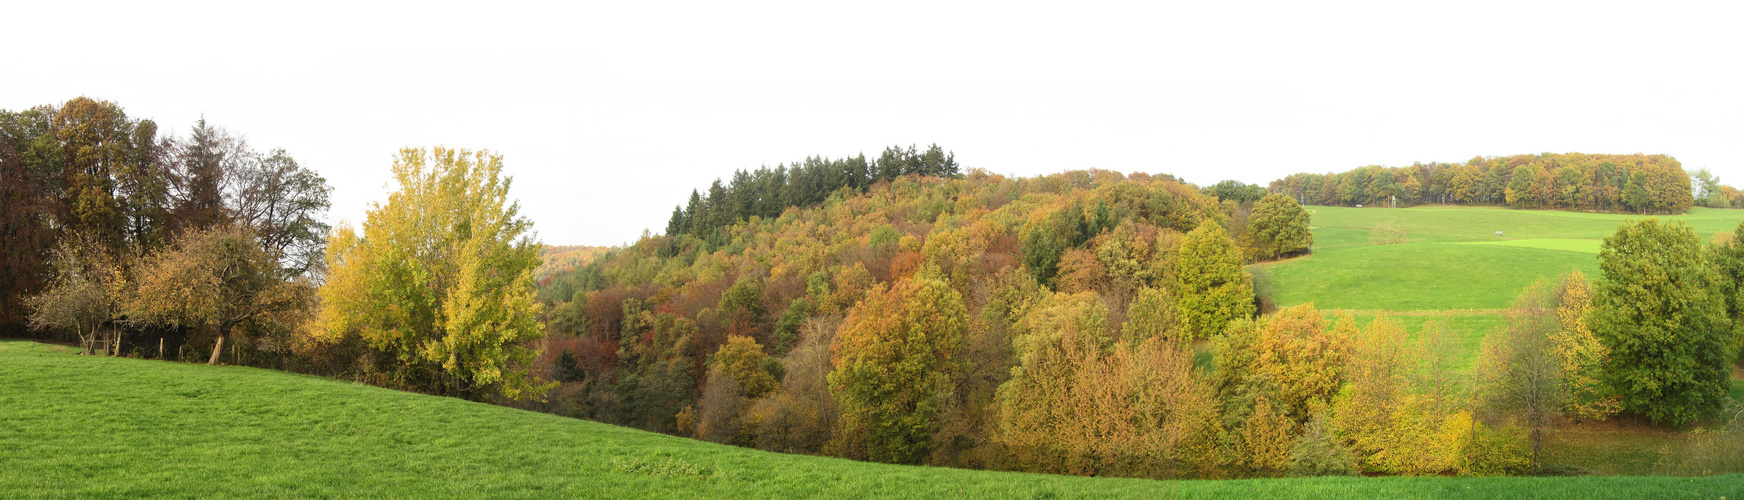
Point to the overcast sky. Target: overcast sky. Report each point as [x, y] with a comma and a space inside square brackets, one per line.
[609, 114]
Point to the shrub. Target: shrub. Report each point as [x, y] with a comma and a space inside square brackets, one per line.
[1318, 452]
[1496, 452]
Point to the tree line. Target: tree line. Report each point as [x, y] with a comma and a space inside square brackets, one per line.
[1709, 192]
[112, 224]
[1642, 184]
[201, 248]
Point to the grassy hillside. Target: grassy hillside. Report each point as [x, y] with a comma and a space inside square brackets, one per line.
[1454, 270]
[75, 426]
[1452, 267]
[1452, 259]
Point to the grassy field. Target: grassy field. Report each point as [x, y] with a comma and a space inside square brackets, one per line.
[1452, 258]
[1451, 268]
[82, 427]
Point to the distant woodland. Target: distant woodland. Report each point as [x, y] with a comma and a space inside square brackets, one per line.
[1643, 184]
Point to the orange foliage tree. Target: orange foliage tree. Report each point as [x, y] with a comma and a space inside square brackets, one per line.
[895, 357]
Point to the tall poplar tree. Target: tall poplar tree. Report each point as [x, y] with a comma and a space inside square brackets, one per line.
[441, 277]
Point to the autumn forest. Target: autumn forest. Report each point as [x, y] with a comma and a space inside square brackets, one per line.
[897, 308]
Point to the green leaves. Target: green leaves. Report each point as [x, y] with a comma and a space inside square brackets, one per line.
[1278, 227]
[1661, 311]
[1212, 288]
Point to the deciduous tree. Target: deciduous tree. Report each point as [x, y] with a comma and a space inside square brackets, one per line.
[1212, 289]
[1295, 350]
[1660, 312]
[441, 277]
[895, 357]
[1278, 227]
[218, 278]
[1519, 374]
[87, 292]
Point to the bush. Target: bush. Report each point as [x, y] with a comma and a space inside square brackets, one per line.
[1497, 452]
[1318, 452]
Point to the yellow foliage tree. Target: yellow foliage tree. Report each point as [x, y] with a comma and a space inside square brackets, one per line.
[1376, 385]
[441, 278]
[1296, 352]
[743, 359]
[1583, 355]
[1263, 444]
[1079, 404]
[895, 356]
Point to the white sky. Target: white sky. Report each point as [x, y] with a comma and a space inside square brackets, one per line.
[609, 113]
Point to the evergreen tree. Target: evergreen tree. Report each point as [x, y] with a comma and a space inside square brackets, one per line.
[675, 225]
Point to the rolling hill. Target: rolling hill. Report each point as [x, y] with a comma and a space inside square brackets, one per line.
[86, 427]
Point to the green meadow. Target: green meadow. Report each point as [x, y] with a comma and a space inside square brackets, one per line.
[1451, 257]
[93, 427]
[1450, 267]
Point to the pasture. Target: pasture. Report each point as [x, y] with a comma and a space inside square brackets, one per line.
[1451, 258]
[82, 427]
[1452, 269]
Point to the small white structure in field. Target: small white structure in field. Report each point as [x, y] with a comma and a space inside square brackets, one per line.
[1359, 206]
[1498, 234]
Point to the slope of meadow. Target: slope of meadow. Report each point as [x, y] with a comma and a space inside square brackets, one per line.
[1453, 270]
[81, 427]
[1451, 259]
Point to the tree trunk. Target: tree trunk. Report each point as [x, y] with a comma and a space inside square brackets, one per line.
[1537, 444]
[216, 350]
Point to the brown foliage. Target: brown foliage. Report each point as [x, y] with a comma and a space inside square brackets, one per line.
[1080, 271]
[218, 278]
[801, 414]
[1075, 407]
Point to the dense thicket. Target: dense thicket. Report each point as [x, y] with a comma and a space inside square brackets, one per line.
[1649, 184]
